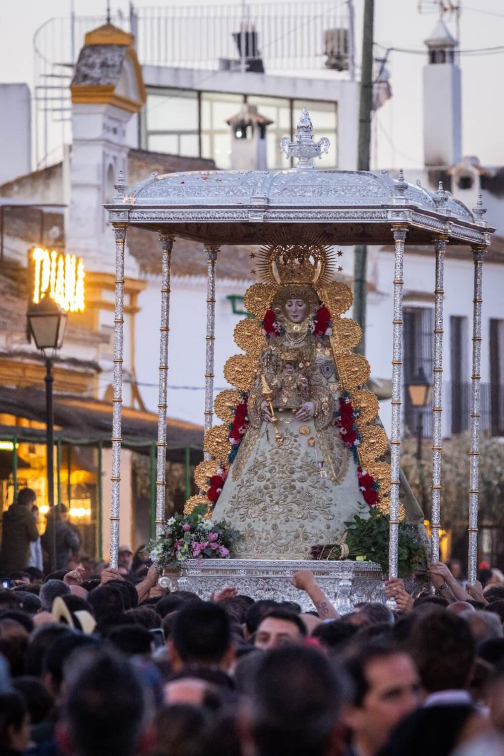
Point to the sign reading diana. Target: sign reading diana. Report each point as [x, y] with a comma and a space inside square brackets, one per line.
[59, 276]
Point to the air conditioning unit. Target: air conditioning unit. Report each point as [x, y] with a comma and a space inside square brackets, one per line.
[336, 48]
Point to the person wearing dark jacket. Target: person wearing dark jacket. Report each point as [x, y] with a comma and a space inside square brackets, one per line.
[67, 540]
[19, 530]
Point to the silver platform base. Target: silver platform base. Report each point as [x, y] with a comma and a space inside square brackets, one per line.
[346, 583]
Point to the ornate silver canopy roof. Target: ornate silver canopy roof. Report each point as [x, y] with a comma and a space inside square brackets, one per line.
[348, 207]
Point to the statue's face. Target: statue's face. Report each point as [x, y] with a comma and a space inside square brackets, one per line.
[296, 310]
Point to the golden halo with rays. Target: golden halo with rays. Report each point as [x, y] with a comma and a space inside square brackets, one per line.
[309, 261]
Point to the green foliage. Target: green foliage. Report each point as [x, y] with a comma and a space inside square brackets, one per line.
[369, 538]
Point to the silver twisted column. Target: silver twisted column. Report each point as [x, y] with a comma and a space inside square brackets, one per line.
[164, 330]
[212, 250]
[478, 256]
[437, 406]
[395, 438]
[120, 239]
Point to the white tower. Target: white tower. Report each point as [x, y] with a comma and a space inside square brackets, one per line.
[107, 90]
[248, 146]
[442, 101]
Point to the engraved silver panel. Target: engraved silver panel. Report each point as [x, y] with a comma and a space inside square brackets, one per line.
[345, 583]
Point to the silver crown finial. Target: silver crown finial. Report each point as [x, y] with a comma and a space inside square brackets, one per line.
[479, 211]
[440, 196]
[303, 147]
[121, 186]
[401, 185]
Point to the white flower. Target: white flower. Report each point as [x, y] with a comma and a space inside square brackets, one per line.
[171, 521]
[208, 524]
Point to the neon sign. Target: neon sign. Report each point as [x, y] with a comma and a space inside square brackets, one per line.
[59, 276]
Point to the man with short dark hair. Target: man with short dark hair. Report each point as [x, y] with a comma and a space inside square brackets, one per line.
[443, 649]
[50, 590]
[386, 690]
[201, 637]
[18, 532]
[107, 711]
[280, 627]
[296, 705]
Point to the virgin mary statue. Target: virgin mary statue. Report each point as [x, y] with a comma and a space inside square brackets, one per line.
[299, 453]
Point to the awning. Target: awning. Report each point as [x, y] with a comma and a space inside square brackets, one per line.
[89, 421]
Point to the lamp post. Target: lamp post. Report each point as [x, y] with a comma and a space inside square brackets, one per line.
[419, 392]
[47, 323]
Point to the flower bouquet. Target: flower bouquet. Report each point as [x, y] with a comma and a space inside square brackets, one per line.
[192, 537]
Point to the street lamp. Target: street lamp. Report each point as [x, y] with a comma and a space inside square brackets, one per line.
[419, 392]
[47, 323]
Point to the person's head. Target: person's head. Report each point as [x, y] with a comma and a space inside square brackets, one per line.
[169, 604]
[23, 618]
[14, 722]
[201, 636]
[386, 690]
[443, 648]
[58, 653]
[125, 558]
[460, 607]
[145, 617]
[280, 627]
[179, 729]
[50, 590]
[377, 613]
[438, 601]
[128, 592]
[484, 626]
[436, 730]
[455, 568]
[77, 604]
[484, 576]
[131, 640]
[13, 645]
[61, 513]
[39, 701]
[26, 497]
[296, 705]
[493, 593]
[30, 603]
[256, 612]
[39, 644]
[9, 600]
[335, 636]
[36, 575]
[106, 602]
[496, 607]
[107, 710]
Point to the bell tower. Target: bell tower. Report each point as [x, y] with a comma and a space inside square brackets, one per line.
[442, 100]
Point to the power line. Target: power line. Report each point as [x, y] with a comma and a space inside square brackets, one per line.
[475, 51]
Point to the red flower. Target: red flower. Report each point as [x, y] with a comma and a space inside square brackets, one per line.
[370, 497]
[240, 414]
[346, 409]
[216, 481]
[323, 315]
[350, 436]
[367, 481]
[235, 435]
[213, 494]
[269, 323]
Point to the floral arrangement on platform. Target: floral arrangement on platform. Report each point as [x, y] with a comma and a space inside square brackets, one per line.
[192, 537]
[367, 539]
[270, 325]
[346, 417]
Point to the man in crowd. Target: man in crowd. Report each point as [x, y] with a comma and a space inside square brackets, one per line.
[280, 627]
[386, 690]
[18, 532]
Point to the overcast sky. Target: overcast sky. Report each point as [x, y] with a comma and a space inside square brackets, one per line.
[397, 24]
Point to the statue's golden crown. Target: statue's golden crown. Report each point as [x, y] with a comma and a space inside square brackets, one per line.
[310, 261]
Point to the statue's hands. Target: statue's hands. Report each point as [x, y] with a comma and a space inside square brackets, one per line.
[266, 411]
[306, 411]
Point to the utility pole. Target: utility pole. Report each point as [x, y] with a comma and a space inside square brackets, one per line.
[363, 163]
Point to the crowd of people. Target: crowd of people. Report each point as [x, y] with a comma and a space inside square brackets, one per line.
[95, 660]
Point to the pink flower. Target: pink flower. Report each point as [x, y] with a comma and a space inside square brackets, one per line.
[186, 527]
[223, 551]
[213, 536]
[177, 544]
[214, 545]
